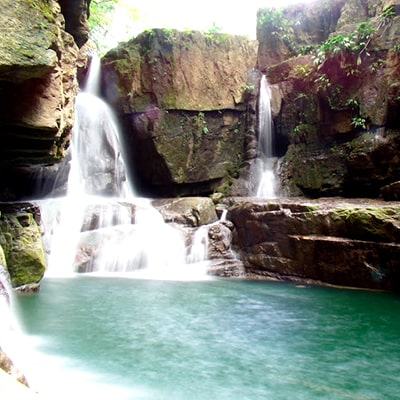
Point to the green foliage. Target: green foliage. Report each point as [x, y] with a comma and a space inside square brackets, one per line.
[201, 123]
[352, 103]
[214, 34]
[273, 20]
[214, 28]
[43, 7]
[248, 88]
[387, 15]
[359, 122]
[308, 49]
[100, 14]
[303, 71]
[323, 82]
[102, 17]
[340, 45]
[334, 46]
[376, 65]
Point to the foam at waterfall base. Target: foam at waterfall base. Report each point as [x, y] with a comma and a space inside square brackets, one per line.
[181, 273]
[45, 379]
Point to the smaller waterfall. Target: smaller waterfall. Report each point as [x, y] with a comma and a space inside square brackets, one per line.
[92, 85]
[199, 249]
[267, 185]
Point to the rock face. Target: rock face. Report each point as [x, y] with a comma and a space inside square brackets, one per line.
[76, 13]
[334, 241]
[333, 68]
[21, 241]
[337, 242]
[185, 100]
[37, 87]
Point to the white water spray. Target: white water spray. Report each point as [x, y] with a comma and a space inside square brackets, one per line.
[199, 249]
[267, 185]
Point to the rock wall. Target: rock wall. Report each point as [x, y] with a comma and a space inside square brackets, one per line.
[76, 13]
[333, 68]
[187, 102]
[37, 90]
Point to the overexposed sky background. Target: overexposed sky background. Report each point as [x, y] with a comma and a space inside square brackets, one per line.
[234, 17]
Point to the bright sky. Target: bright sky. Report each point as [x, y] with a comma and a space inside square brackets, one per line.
[235, 17]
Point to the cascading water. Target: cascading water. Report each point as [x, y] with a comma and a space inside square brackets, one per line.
[199, 248]
[121, 233]
[267, 185]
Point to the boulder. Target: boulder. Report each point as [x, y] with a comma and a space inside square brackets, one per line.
[222, 261]
[391, 191]
[189, 211]
[185, 127]
[21, 240]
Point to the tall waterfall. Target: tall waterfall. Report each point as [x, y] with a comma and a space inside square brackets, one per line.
[267, 185]
[102, 227]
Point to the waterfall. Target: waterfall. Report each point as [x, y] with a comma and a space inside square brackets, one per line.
[199, 249]
[92, 85]
[267, 185]
[102, 227]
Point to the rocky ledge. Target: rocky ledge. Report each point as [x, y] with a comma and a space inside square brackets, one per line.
[346, 242]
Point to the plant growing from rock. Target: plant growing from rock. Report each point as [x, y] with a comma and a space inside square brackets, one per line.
[359, 122]
[274, 21]
[201, 123]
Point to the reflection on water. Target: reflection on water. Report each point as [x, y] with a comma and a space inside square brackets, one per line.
[144, 339]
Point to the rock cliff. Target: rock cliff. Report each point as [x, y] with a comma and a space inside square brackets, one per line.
[37, 90]
[187, 102]
[333, 68]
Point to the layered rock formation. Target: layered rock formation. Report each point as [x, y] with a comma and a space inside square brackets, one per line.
[37, 87]
[334, 70]
[329, 241]
[187, 102]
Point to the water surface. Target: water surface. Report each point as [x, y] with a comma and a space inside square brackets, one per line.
[142, 339]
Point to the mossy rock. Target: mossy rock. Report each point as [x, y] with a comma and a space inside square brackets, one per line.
[21, 240]
[190, 211]
[369, 223]
[28, 40]
[318, 173]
